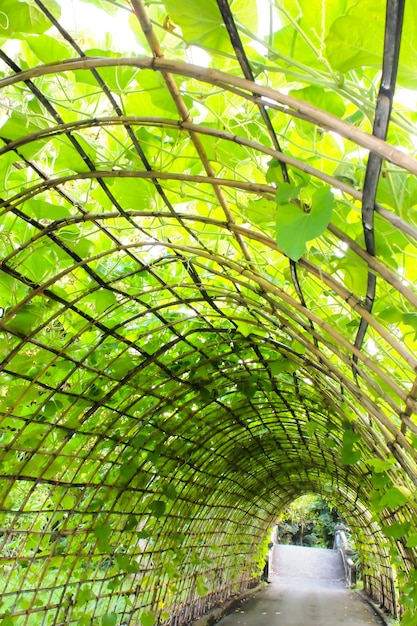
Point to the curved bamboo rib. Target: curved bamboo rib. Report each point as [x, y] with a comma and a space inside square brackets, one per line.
[394, 219]
[147, 28]
[393, 29]
[260, 189]
[169, 381]
[338, 339]
[215, 77]
[248, 74]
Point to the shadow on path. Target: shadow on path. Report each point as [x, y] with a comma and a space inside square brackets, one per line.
[306, 588]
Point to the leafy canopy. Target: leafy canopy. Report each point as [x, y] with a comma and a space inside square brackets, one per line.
[194, 326]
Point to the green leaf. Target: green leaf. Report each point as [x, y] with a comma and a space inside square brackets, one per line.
[70, 233]
[290, 43]
[143, 534]
[247, 328]
[261, 211]
[248, 386]
[345, 171]
[287, 192]
[412, 541]
[169, 491]
[356, 39]
[410, 319]
[123, 364]
[126, 563]
[321, 98]
[102, 533]
[104, 299]
[131, 522]
[7, 620]
[205, 393]
[381, 465]
[350, 456]
[69, 159]
[116, 582]
[282, 365]
[147, 618]
[43, 210]
[109, 620]
[158, 508]
[294, 226]
[19, 125]
[156, 95]
[49, 49]
[201, 587]
[116, 78]
[354, 272]
[138, 441]
[20, 18]
[312, 427]
[350, 437]
[26, 319]
[128, 470]
[84, 595]
[396, 530]
[131, 193]
[206, 28]
[380, 480]
[274, 173]
[409, 618]
[302, 38]
[393, 498]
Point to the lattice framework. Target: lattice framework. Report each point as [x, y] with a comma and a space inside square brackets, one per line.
[173, 374]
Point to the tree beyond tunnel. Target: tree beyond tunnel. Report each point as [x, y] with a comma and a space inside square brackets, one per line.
[208, 297]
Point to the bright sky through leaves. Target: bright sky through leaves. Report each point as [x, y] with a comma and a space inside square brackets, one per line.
[208, 297]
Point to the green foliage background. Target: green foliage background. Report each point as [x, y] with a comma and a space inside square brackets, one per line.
[179, 311]
[308, 521]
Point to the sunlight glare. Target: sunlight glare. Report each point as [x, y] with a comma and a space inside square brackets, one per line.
[78, 17]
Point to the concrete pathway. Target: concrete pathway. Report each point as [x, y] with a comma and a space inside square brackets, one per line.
[306, 589]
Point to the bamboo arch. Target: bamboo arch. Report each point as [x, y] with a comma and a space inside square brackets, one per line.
[171, 380]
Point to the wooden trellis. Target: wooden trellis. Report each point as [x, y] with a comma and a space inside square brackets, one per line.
[187, 342]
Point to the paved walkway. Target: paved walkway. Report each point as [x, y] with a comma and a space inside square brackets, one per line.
[306, 589]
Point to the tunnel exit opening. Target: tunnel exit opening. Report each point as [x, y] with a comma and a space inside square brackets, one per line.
[308, 521]
[344, 523]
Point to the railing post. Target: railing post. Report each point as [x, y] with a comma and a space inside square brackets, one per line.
[340, 544]
[394, 611]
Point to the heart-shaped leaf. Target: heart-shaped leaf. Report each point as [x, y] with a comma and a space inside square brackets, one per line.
[158, 508]
[295, 226]
[147, 618]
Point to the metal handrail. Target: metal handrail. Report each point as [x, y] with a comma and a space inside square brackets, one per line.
[341, 544]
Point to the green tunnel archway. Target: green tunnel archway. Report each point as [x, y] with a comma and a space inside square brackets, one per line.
[208, 300]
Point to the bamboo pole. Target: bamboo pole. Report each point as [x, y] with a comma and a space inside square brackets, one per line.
[223, 80]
